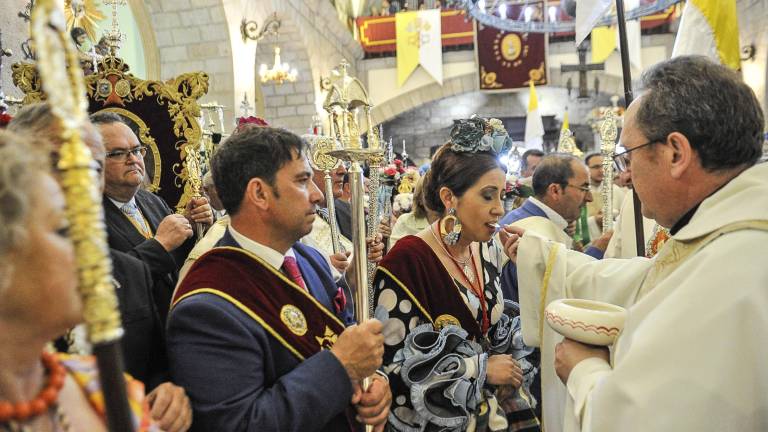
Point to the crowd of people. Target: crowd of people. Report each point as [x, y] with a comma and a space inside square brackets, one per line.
[252, 326]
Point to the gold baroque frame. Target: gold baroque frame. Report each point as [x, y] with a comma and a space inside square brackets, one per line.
[113, 87]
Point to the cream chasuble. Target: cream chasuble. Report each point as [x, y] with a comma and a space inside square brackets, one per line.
[692, 354]
[622, 244]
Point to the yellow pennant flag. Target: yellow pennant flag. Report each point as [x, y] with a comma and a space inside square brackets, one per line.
[603, 43]
[407, 47]
[418, 40]
[566, 125]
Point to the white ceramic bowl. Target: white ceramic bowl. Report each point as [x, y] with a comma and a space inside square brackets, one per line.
[588, 321]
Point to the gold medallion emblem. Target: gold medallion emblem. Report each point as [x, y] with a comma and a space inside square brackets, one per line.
[292, 317]
[446, 320]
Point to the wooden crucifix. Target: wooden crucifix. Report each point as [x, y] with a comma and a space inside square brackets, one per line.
[582, 68]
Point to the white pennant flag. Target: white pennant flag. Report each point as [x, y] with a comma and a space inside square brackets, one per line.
[588, 13]
[534, 126]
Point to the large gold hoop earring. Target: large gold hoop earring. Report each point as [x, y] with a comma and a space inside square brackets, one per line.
[450, 237]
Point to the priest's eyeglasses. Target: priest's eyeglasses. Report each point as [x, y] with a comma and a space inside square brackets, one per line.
[622, 161]
[122, 155]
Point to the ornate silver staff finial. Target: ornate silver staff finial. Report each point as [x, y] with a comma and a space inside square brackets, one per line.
[608, 134]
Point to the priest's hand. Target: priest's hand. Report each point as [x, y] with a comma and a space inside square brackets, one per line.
[569, 353]
[360, 349]
[199, 211]
[503, 369]
[602, 241]
[510, 239]
[372, 405]
[340, 261]
[170, 408]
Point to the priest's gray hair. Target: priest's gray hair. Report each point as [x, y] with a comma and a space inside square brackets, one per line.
[20, 167]
[709, 104]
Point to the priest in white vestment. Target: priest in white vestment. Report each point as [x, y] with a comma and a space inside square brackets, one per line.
[692, 353]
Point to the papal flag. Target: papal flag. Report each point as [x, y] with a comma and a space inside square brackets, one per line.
[588, 13]
[605, 40]
[418, 43]
[710, 28]
[534, 127]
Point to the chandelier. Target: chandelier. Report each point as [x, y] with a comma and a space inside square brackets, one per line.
[279, 72]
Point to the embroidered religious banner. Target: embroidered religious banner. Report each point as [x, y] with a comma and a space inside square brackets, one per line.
[509, 60]
[377, 34]
[418, 43]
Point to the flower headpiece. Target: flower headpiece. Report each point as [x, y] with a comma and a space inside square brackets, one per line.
[478, 134]
[249, 122]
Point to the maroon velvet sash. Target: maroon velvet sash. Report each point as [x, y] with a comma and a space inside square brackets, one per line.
[285, 310]
[418, 271]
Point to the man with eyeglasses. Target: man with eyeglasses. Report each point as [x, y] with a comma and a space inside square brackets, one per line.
[595, 215]
[691, 354]
[139, 222]
[623, 243]
[561, 188]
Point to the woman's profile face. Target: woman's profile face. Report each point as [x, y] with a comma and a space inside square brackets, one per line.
[43, 283]
[481, 206]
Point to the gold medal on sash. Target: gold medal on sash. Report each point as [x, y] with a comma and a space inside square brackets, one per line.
[292, 317]
[446, 320]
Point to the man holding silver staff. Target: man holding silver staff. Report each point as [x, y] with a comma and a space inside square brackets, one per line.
[254, 333]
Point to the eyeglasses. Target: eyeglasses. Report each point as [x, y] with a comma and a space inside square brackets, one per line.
[621, 161]
[584, 189]
[122, 155]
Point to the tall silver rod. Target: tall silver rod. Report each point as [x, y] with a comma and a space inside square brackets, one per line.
[362, 298]
[606, 190]
[331, 206]
[374, 181]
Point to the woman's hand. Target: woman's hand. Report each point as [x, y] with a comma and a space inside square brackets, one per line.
[510, 239]
[503, 369]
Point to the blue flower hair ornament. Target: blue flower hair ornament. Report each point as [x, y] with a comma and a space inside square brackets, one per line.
[477, 134]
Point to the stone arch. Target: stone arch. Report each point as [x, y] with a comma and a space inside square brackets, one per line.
[422, 95]
[192, 35]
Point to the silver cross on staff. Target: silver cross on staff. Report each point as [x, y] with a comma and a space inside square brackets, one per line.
[245, 106]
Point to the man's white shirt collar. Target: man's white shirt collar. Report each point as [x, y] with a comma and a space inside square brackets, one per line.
[551, 214]
[271, 256]
[120, 204]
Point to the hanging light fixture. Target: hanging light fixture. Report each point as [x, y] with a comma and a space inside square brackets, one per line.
[279, 72]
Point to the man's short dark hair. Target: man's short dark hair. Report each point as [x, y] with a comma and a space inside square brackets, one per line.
[590, 156]
[106, 117]
[254, 152]
[531, 152]
[554, 168]
[709, 104]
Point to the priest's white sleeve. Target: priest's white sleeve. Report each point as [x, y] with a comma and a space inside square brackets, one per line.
[547, 271]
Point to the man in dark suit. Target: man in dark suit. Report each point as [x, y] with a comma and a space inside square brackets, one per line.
[138, 222]
[257, 332]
